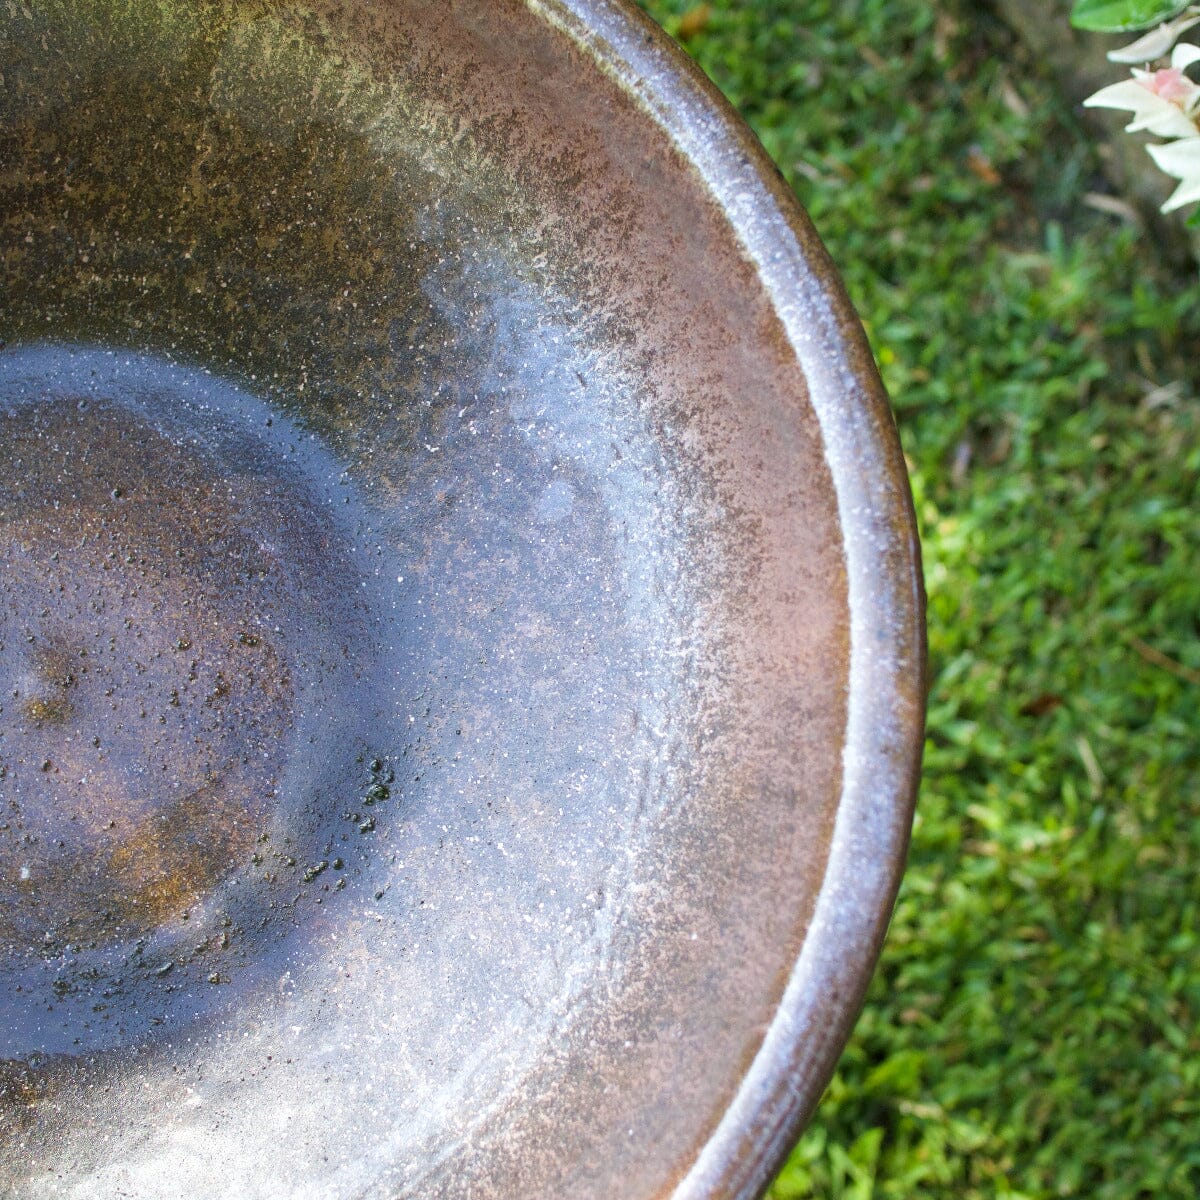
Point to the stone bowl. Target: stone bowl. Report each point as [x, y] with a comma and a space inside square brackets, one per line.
[461, 629]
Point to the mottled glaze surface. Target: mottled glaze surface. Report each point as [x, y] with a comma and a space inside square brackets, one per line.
[493, 757]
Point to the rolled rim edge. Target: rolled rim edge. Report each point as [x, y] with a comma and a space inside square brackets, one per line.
[885, 722]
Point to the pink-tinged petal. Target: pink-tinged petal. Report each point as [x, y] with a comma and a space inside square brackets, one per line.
[1129, 94]
[1150, 112]
[1171, 85]
[1156, 43]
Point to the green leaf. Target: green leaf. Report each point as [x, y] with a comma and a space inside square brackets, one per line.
[1123, 16]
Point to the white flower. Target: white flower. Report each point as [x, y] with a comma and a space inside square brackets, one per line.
[1183, 56]
[1162, 102]
[1180, 159]
[1157, 42]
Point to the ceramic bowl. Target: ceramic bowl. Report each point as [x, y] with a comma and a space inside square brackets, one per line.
[460, 625]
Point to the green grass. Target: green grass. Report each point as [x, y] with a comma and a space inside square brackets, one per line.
[1033, 1028]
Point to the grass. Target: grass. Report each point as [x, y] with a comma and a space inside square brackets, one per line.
[1033, 1028]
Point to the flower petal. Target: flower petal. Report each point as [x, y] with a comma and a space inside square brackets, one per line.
[1184, 55]
[1188, 192]
[1150, 112]
[1127, 94]
[1182, 160]
[1156, 43]
[1178, 158]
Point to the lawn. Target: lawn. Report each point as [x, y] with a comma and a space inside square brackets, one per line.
[1034, 1027]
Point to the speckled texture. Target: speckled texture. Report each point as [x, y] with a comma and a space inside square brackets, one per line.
[638, 653]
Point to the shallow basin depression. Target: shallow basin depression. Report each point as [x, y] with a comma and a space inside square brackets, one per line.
[460, 626]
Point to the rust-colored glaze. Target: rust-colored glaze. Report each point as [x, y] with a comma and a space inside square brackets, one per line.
[622, 751]
[149, 702]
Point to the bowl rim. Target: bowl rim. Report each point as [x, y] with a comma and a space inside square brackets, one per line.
[887, 677]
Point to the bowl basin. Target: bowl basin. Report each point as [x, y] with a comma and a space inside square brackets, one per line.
[461, 631]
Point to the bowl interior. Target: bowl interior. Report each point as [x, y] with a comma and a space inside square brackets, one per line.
[425, 632]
